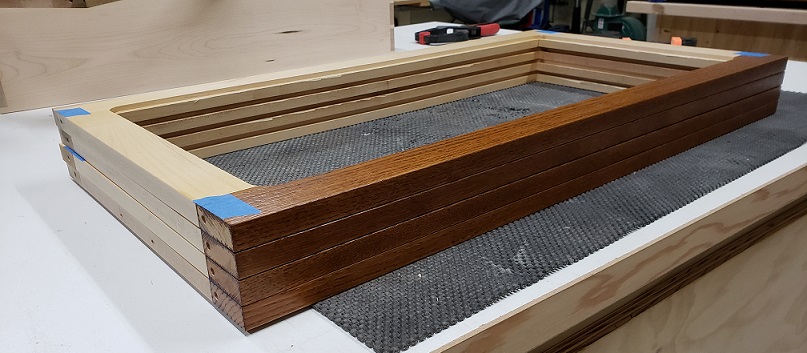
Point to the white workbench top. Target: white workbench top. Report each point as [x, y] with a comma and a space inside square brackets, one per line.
[74, 279]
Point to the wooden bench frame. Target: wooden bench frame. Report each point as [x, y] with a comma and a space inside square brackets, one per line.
[139, 156]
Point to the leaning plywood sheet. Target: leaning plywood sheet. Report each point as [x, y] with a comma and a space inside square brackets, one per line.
[580, 304]
[273, 250]
[764, 292]
[57, 56]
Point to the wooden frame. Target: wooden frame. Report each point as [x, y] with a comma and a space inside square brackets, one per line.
[303, 241]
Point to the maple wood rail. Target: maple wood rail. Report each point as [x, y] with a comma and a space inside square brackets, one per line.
[273, 250]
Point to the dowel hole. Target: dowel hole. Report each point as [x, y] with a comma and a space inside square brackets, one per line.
[212, 272]
[215, 296]
[204, 219]
[207, 245]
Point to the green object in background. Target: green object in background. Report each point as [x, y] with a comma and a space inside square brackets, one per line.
[608, 21]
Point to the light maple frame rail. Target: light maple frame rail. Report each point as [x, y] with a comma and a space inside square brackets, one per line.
[260, 253]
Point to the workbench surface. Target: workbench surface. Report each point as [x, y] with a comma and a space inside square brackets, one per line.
[74, 279]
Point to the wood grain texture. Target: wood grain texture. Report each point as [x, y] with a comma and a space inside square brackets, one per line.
[163, 177]
[163, 105]
[349, 276]
[51, 57]
[269, 115]
[684, 275]
[293, 274]
[638, 55]
[614, 66]
[742, 13]
[35, 4]
[312, 128]
[756, 302]
[528, 327]
[159, 175]
[306, 203]
[266, 87]
[357, 105]
[224, 281]
[211, 131]
[642, 51]
[170, 126]
[227, 306]
[298, 245]
[219, 254]
[125, 209]
[781, 39]
[184, 244]
[244, 90]
[126, 206]
[378, 105]
[266, 120]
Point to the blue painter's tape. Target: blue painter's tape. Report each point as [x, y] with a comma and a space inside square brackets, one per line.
[75, 154]
[72, 112]
[750, 53]
[545, 31]
[226, 206]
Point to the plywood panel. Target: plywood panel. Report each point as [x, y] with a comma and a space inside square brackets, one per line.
[755, 302]
[57, 56]
[773, 38]
[536, 323]
[742, 13]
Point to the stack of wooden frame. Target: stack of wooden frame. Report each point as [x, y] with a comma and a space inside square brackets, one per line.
[262, 252]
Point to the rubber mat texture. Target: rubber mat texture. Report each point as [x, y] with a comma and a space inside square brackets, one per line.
[406, 306]
[288, 160]
[400, 309]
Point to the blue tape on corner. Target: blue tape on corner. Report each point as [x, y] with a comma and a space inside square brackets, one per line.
[78, 156]
[72, 112]
[545, 31]
[226, 206]
[750, 53]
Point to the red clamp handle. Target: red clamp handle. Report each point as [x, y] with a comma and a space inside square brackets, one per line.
[489, 29]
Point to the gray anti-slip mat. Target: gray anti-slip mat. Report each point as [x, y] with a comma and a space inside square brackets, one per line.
[297, 158]
[404, 307]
